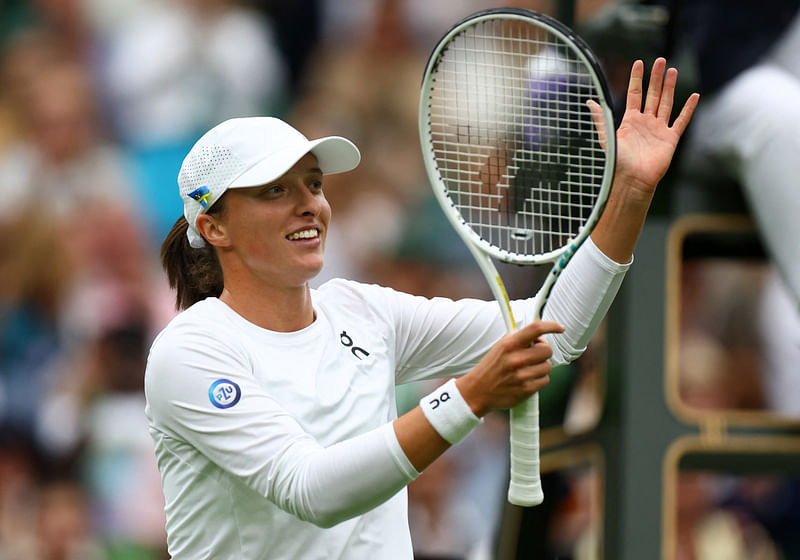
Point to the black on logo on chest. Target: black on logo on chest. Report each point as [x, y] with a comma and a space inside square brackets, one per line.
[347, 342]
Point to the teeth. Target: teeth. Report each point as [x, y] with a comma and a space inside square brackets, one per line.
[305, 234]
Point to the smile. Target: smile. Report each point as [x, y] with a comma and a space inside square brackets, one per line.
[305, 234]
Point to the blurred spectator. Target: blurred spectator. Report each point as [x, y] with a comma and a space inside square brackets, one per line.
[721, 362]
[31, 296]
[118, 465]
[442, 525]
[745, 131]
[183, 65]
[59, 177]
[59, 163]
[61, 19]
[772, 500]
[176, 68]
[116, 305]
[574, 529]
[64, 526]
[41, 518]
[19, 466]
[710, 527]
[778, 328]
[297, 27]
[77, 318]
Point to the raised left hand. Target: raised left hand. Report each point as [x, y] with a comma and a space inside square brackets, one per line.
[646, 141]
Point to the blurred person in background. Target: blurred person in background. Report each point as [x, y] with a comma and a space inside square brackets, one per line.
[64, 526]
[574, 530]
[721, 363]
[117, 465]
[171, 69]
[37, 276]
[443, 522]
[19, 469]
[61, 19]
[60, 160]
[91, 410]
[708, 529]
[745, 55]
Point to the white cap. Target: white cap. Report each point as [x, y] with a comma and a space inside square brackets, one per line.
[248, 152]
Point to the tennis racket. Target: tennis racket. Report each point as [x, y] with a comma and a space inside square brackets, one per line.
[518, 162]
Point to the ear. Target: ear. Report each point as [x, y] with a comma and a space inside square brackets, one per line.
[212, 230]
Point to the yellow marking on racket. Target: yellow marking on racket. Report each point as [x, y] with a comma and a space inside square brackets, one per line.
[506, 300]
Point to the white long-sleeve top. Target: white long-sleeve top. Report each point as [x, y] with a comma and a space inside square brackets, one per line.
[281, 446]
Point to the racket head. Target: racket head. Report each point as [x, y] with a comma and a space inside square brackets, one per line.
[511, 149]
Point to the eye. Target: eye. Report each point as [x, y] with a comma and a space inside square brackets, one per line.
[272, 190]
[316, 185]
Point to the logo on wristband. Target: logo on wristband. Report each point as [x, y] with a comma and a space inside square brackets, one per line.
[442, 398]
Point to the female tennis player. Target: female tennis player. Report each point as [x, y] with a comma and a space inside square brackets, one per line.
[272, 405]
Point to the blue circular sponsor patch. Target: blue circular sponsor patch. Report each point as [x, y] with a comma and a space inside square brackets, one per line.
[224, 393]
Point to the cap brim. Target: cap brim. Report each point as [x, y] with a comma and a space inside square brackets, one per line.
[334, 154]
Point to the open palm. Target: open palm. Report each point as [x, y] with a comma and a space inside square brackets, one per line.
[645, 145]
[645, 140]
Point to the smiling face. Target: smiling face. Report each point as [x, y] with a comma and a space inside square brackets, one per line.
[274, 233]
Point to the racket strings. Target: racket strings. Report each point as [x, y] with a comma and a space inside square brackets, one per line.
[513, 139]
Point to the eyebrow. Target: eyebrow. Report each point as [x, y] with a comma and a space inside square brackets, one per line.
[309, 171]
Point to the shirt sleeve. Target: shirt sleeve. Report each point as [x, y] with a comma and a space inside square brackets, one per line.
[249, 435]
[581, 298]
[440, 337]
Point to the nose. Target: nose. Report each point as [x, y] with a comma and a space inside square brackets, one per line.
[309, 202]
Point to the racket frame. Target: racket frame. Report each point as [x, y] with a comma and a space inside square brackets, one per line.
[525, 486]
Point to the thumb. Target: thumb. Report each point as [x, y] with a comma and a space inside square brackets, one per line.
[599, 122]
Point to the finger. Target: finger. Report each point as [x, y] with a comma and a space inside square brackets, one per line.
[667, 95]
[654, 88]
[634, 99]
[531, 332]
[538, 352]
[682, 121]
[599, 122]
[535, 376]
[520, 359]
[536, 384]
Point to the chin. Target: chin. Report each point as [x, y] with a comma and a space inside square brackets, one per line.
[312, 271]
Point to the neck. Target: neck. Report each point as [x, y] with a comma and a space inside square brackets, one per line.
[281, 310]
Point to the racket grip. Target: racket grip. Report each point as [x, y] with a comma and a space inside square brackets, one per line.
[525, 487]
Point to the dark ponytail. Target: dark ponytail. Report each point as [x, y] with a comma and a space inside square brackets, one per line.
[194, 274]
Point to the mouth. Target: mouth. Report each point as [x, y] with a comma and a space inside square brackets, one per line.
[311, 233]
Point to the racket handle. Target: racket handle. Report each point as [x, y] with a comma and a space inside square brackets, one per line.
[525, 488]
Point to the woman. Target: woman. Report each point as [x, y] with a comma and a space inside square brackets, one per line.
[272, 406]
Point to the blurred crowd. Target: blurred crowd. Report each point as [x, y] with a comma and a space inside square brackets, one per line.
[99, 102]
[737, 516]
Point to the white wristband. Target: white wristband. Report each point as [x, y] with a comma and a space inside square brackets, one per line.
[449, 413]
